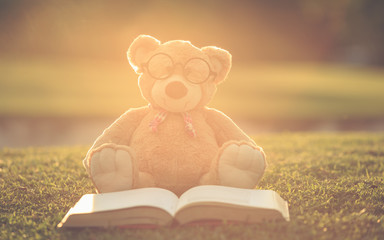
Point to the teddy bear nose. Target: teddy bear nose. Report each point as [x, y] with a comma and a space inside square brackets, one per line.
[176, 90]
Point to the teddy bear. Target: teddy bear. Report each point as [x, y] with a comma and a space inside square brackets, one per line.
[175, 142]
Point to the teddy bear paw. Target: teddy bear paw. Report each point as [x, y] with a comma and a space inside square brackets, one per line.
[240, 165]
[112, 169]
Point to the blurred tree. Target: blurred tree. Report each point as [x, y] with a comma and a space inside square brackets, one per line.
[356, 27]
[262, 30]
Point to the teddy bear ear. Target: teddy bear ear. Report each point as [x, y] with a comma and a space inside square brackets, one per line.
[221, 61]
[139, 50]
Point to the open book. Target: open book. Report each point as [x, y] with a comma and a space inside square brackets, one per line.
[160, 207]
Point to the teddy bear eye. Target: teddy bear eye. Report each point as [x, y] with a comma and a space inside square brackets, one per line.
[160, 66]
[196, 70]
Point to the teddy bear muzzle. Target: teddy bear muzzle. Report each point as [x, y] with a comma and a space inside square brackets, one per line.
[176, 90]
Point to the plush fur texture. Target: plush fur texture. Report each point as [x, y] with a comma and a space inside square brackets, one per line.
[129, 155]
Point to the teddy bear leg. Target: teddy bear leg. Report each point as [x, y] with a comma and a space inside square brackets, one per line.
[112, 168]
[237, 165]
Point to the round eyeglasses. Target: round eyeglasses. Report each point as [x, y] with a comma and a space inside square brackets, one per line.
[195, 70]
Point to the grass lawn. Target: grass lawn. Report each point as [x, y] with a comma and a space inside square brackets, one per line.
[45, 87]
[334, 184]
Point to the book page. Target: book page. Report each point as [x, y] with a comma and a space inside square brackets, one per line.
[219, 195]
[152, 197]
[212, 203]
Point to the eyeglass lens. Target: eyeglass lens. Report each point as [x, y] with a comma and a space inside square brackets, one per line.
[160, 66]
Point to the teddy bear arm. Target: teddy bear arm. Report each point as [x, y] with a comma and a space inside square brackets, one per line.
[119, 132]
[225, 129]
[239, 162]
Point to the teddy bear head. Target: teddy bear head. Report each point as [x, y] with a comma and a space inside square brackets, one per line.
[177, 76]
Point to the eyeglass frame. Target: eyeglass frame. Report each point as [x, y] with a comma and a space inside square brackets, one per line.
[211, 73]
